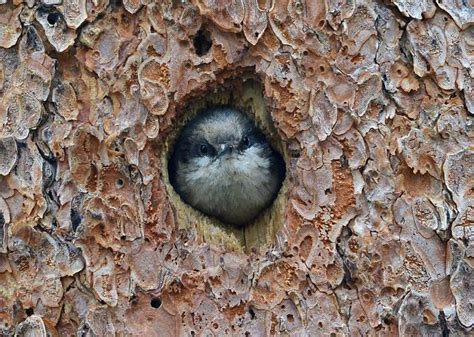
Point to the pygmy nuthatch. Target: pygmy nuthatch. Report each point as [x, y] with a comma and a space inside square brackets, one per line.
[223, 166]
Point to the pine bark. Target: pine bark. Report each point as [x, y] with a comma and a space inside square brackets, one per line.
[370, 103]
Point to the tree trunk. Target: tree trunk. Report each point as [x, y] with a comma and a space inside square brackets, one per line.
[369, 102]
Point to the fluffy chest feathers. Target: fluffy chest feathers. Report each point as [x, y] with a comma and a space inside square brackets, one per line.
[234, 189]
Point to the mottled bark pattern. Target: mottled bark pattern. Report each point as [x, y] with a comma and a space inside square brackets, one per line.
[373, 101]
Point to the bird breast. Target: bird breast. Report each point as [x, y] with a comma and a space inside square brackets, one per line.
[234, 188]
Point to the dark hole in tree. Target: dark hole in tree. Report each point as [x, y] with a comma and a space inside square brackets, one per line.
[155, 302]
[134, 299]
[202, 42]
[53, 18]
[29, 311]
[252, 313]
[76, 219]
[246, 94]
[120, 183]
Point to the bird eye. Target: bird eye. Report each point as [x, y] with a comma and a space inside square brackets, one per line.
[204, 149]
[245, 142]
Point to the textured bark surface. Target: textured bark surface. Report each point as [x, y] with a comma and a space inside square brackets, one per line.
[370, 102]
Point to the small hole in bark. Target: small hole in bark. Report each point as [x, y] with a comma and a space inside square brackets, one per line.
[29, 311]
[155, 302]
[202, 42]
[252, 313]
[120, 183]
[53, 18]
[387, 320]
[76, 219]
[134, 300]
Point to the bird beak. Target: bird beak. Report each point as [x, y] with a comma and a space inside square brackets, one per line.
[226, 149]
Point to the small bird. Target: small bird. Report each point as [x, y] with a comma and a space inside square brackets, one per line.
[223, 166]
